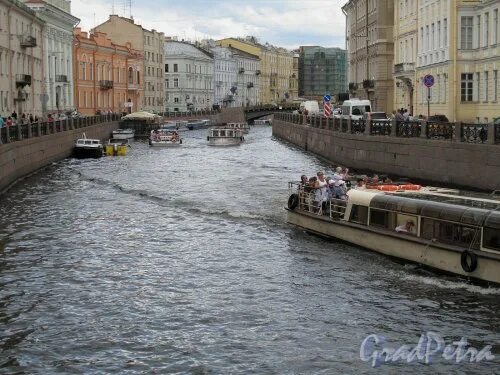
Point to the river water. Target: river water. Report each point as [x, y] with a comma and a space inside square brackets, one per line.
[180, 261]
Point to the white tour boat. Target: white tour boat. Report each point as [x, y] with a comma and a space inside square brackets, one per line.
[164, 138]
[438, 228]
[123, 134]
[243, 126]
[222, 136]
[88, 148]
[179, 126]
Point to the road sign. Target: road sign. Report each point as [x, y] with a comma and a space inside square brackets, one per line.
[326, 98]
[429, 80]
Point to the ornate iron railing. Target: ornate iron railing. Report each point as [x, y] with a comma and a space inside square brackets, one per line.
[441, 130]
[380, 127]
[497, 133]
[408, 129]
[358, 126]
[474, 133]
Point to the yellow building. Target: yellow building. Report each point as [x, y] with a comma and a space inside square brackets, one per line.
[278, 73]
[457, 42]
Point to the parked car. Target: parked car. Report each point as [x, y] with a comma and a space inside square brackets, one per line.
[379, 116]
[438, 118]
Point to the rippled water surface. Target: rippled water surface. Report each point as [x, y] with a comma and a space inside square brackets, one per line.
[180, 261]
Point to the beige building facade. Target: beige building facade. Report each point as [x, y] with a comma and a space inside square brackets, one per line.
[457, 42]
[370, 51]
[124, 30]
[21, 59]
[278, 74]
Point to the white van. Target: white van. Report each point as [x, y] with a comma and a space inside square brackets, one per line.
[355, 108]
[311, 106]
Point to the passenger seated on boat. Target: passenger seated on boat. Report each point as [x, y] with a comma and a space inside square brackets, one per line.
[320, 194]
[408, 227]
[339, 189]
[360, 184]
[309, 191]
[374, 180]
[386, 180]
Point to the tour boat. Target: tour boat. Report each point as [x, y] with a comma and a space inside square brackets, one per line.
[438, 228]
[222, 136]
[243, 126]
[164, 138]
[87, 148]
[179, 126]
[262, 122]
[123, 134]
[117, 147]
[198, 124]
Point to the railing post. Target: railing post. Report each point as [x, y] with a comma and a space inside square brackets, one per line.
[368, 127]
[38, 129]
[30, 131]
[394, 128]
[72, 124]
[19, 133]
[349, 126]
[7, 132]
[457, 136]
[491, 134]
[423, 129]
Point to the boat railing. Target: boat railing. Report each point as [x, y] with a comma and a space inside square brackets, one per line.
[308, 202]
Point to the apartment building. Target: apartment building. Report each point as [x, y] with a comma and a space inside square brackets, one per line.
[21, 59]
[108, 76]
[150, 43]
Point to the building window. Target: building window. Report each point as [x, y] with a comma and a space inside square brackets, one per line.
[445, 32]
[495, 26]
[166, 68]
[485, 89]
[130, 75]
[167, 83]
[176, 68]
[495, 85]
[478, 31]
[466, 87]
[486, 29]
[138, 77]
[176, 82]
[176, 100]
[466, 33]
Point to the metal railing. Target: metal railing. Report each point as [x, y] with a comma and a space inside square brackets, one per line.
[19, 132]
[408, 129]
[441, 130]
[497, 133]
[380, 127]
[358, 126]
[474, 133]
[312, 203]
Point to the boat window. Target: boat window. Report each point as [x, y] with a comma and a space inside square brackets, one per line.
[222, 133]
[88, 142]
[402, 220]
[230, 133]
[379, 218]
[215, 133]
[451, 233]
[491, 238]
[359, 214]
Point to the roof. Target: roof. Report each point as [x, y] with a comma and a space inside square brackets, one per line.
[243, 53]
[173, 48]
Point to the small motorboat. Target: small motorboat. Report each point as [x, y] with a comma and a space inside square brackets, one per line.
[263, 122]
[243, 126]
[87, 148]
[164, 138]
[123, 134]
[179, 126]
[117, 147]
[222, 136]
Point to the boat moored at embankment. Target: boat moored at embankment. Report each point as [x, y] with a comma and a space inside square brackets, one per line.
[88, 148]
[431, 227]
[123, 134]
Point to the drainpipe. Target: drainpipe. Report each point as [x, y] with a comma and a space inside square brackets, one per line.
[346, 51]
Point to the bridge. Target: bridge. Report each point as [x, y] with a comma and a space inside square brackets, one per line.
[255, 112]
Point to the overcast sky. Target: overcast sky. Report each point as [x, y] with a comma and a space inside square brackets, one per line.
[285, 23]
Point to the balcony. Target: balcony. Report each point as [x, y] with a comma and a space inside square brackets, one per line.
[61, 78]
[249, 85]
[241, 71]
[368, 84]
[404, 68]
[28, 41]
[106, 84]
[23, 80]
[257, 72]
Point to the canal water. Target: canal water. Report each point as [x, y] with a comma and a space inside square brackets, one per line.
[180, 261]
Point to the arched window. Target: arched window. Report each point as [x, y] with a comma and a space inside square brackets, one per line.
[138, 77]
[130, 75]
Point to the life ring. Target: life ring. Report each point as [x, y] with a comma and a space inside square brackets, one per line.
[468, 260]
[293, 201]
[387, 188]
[410, 187]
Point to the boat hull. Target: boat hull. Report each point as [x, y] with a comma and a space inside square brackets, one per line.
[120, 150]
[164, 144]
[399, 246]
[224, 141]
[87, 153]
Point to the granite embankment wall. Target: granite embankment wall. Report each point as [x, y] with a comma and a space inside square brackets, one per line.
[447, 162]
[20, 158]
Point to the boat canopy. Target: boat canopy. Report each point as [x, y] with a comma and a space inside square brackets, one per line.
[436, 210]
[142, 115]
[493, 220]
